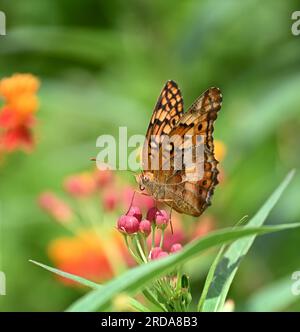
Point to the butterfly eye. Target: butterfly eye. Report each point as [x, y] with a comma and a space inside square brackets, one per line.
[146, 178]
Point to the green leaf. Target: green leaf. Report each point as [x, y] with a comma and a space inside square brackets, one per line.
[212, 269]
[209, 278]
[70, 276]
[137, 278]
[274, 297]
[227, 267]
[133, 302]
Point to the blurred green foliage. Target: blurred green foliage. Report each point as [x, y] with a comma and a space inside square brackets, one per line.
[102, 65]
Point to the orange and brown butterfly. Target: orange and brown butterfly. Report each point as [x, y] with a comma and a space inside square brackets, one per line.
[185, 190]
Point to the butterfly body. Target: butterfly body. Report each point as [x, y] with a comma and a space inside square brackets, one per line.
[185, 184]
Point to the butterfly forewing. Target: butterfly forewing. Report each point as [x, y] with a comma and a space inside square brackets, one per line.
[167, 112]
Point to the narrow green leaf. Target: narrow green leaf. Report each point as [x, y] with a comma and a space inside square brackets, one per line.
[70, 276]
[228, 265]
[137, 278]
[209, 278]
[133, 302]
[212, 269]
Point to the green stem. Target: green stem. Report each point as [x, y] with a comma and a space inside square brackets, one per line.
[145, 246]
[162, 238]
[153, 235]
[137, 259]
[140, 249]
[178, 283]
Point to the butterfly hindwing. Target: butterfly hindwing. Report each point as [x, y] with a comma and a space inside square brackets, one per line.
[198, 121]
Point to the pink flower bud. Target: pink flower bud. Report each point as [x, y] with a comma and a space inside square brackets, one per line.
[128, 224]
[135, 212]
[145, 227]
[176, 247]
[121, 223]
[151, 214]
[162, 219]
[155, 252]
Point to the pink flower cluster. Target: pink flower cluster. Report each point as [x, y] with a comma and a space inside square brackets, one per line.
[132, 224]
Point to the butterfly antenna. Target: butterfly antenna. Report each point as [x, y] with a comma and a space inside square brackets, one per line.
[93, 159]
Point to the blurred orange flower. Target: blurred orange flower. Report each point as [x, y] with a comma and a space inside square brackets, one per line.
[17, 113]
[88, 256]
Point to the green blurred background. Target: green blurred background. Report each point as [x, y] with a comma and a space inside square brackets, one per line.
[102, 65]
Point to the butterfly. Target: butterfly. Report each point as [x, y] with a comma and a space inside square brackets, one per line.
[187, 189]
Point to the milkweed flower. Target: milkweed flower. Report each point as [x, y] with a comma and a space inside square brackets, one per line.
[135, 212]
[137, 230]
[145, 227]
[17, 115]
[128, 224]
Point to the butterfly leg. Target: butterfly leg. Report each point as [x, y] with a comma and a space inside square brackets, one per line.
[131, 202]
[171, 219]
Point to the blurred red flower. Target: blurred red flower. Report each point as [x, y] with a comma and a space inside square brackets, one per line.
[17, 113]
